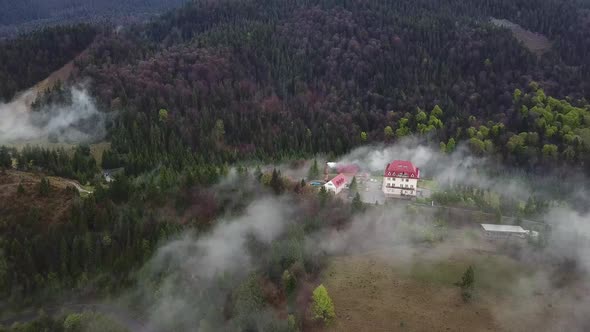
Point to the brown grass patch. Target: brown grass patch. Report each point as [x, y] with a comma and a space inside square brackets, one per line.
[372, 294]
[52, 208]
[401, 289]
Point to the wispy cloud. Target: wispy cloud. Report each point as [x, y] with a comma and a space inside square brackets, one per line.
[75, 122]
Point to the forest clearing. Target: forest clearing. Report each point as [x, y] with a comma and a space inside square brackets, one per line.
[416, 292]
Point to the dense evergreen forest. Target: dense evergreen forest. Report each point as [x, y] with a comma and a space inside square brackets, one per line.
[22, 16]
[31, 58]
[230, 80]
[98, 244]
[23, 11]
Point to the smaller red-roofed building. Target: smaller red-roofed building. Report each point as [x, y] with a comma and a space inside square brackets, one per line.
[336, 184]
[349, 169]
[401, 179]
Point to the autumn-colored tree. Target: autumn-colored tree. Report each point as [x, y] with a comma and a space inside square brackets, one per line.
[388, 132]
[322, 307]
[163, 115]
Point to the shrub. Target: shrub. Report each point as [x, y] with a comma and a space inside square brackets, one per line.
[292, 323]
[73, 322]
[466, 284]
[21, 189]
[468, 278]
[466, 294]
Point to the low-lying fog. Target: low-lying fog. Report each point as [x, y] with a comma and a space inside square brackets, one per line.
[77, 121]
[216, 261]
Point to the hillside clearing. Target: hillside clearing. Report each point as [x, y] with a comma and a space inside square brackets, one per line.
[52, 209]
[401, 289]
[371, 292]
[535, 42]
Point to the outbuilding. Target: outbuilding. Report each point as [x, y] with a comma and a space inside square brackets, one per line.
[493, 231]
[336, 184]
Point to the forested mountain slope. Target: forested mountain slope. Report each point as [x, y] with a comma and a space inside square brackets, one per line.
[17, 16]
[12, 12]
[31, 58]
[255, 78]
[241, 79]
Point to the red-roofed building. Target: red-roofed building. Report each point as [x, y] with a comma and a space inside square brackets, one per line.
[350, 169]
[400, 179]
[336, 184]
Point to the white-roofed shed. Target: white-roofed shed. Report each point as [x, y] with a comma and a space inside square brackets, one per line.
[505, 231]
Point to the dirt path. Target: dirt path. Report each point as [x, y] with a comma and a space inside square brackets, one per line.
[60, 182]
[77, 186]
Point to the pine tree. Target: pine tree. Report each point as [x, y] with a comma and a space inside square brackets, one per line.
[5, 159]
[314, 171]
[466, 283]
[323, 195]
[276, 183]
[353, 185]
[289, 282]
[44, 187]
[357, 204]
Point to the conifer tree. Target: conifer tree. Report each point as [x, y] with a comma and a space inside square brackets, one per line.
[44, 187]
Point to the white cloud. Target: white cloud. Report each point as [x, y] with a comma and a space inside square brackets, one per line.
[77, 122]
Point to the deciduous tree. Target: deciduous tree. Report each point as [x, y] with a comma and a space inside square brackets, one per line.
[322, 307]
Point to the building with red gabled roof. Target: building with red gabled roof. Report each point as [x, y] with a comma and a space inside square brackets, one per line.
[336, 184]
[401, 179]
[348, 169]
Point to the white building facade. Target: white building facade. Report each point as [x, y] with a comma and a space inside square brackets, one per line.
[401, 179]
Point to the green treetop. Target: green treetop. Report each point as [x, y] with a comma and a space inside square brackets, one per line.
[323, 307]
